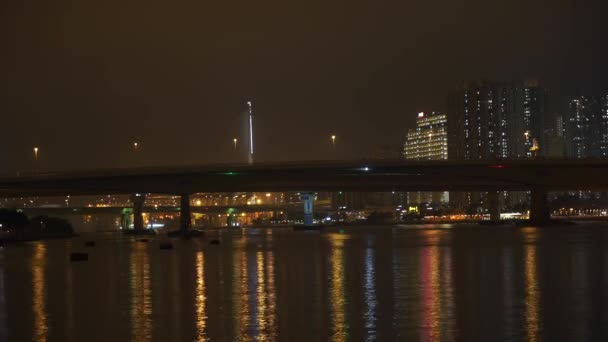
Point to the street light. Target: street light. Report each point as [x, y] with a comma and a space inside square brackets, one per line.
[333, 141]
[36, 153]
[135, 145]
[235, 140]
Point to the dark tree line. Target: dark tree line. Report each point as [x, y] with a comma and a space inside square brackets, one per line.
[17, 222]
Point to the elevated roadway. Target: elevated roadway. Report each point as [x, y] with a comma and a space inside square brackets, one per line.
[372, 175]
[537, 176]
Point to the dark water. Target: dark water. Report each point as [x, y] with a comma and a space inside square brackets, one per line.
[385, 283]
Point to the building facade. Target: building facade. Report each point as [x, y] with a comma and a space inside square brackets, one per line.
[428, 141]
[555, 140]
[586, 128]
[496, 120]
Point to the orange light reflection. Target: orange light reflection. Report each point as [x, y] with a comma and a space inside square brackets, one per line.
[201, 298]
[39, 293]
[141, 294]
[338, 300]
[532, 294]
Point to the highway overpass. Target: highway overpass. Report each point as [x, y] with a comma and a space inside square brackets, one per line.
[372, 175]
[538, 176]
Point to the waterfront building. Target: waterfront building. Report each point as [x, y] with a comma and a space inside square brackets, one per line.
[428, 141]
[556, 143]
[496, 120]
[586, 128]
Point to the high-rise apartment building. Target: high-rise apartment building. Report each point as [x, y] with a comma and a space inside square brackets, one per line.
[586, 128]
[428, 141]
[586, 132]
[555, 141]
[496, 120]
[603, 127]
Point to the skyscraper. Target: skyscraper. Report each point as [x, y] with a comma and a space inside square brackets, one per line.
[578, 127]
[603, 127]
[586, 128]
[554, 136]
[428, 141]
[495, 120]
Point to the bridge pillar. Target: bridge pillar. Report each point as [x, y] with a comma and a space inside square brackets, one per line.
[125, 218]
[494, 206]
[138, 209]
[308, 198]
[539, 209]
[185, 220]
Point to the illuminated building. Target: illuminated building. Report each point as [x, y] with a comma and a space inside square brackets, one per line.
[556, 144]
[586, 132]
[428, 141]
[496, 120]
[604, 126]
[587, 127]
[559, 126]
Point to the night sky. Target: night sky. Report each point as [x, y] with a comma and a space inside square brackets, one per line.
[84, 79]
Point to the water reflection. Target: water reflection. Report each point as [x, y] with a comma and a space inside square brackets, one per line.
[260, 305]
[3, 332]
[69, 300]
[406, 285]
[508, 292]
[262, 299]
[532, 294]
[336, 284]
[39, 293]
[266, 301]
[370, 296]
[447, 297]
[240, 298]
[430, 296]
[254, 293]
[271, 299]
[580, 293]
[141, 294]
[201, 299]
[437, 319]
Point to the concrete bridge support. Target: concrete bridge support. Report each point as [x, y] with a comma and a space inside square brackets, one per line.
[493, 206]
[539, 208]
[185, 219]
[138, 209]
[309, 199]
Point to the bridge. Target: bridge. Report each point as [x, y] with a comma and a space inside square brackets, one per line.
[537, 176]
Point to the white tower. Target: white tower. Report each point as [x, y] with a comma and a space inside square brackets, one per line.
[250, 152]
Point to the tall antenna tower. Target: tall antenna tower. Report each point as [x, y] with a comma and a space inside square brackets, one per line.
[250, 112]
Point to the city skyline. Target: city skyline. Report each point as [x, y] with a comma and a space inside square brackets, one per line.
[314, 170]
[84, 82]
[518, 97]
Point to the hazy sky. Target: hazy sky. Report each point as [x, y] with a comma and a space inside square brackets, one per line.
[83, 79]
